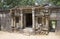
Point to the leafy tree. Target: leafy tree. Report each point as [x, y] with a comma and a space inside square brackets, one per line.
[55, 2]
[1, 4]
[42, 2]
[6, 4]
[12, 3]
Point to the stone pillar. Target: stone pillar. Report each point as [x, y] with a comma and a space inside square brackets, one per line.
[21, 18]
[43, 21]
[33, 19]
[14, 22]
[11, 18]
[47, 22]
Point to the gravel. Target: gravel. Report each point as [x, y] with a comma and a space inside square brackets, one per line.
[16, 35]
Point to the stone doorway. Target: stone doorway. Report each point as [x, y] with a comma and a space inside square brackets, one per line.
[53, 24]
[28, 19]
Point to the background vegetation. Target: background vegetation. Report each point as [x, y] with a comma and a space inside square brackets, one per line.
[6, 4]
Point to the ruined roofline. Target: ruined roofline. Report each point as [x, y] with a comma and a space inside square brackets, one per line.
[30, 7]
[4, 11]
[36, 7]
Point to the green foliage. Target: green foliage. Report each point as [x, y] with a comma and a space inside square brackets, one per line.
[6, 4]
[1, 4]
[13, 3]
[55, 2]
[42, 2]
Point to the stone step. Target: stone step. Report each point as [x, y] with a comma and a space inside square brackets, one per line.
[28, 30]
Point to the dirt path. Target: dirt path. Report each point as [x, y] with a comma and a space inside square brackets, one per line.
[7, 35]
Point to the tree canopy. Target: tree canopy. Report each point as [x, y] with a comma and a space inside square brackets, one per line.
[13, 3]
[5, 4]
[55, 2]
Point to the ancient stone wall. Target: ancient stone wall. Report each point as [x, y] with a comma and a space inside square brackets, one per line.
[5, 21]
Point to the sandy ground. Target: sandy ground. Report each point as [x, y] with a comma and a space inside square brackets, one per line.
[7, 35]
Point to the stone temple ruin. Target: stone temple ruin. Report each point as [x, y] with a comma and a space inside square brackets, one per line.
[34, 19]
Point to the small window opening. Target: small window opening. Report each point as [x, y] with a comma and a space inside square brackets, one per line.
[17, 19]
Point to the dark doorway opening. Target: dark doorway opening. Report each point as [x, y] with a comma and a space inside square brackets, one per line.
[53, 24]
[28, 19]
